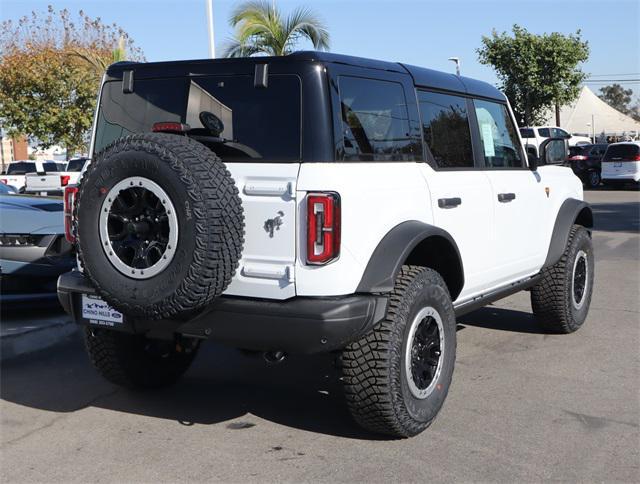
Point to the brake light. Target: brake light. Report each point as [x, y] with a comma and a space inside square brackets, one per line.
[4, 180]
[64, 180]
[577, 158]
[70, 193]
[170, 127]
[323, 227]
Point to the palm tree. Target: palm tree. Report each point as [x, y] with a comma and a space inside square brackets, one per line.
[261, 28]
[99, 61]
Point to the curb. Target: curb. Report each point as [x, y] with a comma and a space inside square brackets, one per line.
[26, 340]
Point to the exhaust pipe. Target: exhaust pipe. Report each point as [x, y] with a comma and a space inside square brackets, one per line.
[274, 357]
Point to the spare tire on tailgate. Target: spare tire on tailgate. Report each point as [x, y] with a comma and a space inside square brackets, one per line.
[160, 225]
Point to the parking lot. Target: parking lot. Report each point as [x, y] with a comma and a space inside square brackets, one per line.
[524, 405]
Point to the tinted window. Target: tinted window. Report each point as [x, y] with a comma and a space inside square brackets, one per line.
[76, 165]
[527, 133]
[445, 124]
[50, 166]
[598, 150]
[21, 168]
[237, 120]
[544, 132]
[375, 121]
[560, 133]
[622, 152]
[500, 143]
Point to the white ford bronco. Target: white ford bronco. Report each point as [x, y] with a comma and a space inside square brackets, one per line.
[315, 203]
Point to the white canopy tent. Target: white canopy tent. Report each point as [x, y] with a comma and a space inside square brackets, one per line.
[589, 108]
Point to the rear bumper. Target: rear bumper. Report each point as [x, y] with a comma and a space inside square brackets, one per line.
[301, 325]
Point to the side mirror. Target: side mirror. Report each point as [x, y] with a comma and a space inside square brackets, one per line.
[533, 161]
[554, 151]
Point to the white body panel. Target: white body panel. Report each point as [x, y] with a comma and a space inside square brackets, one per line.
[621, 170]
[35, 183]
[267, 191]
[16, 181]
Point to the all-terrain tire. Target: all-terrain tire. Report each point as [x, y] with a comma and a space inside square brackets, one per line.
[210, 223]
[553, 300]
[133, 361]
[374, 368]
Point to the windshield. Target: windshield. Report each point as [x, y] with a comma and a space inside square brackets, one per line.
[21, 168]
[76, 165]
[622, 152]
[238, 121]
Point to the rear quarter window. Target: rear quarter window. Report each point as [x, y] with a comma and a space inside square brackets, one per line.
[527, 133]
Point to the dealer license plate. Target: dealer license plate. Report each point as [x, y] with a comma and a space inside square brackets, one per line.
[99, 312]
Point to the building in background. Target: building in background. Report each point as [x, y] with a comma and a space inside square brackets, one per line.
[55, 153]
[11, 149]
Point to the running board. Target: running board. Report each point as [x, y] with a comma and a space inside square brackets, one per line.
[500, 293]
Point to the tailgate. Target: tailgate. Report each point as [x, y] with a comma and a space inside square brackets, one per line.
[44, 183]
[267, 191]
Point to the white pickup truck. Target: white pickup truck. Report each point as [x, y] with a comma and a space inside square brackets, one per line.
[50, 180]
[18, 170]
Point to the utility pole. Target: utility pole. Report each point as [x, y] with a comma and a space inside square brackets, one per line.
[457, 61]
[212, 45]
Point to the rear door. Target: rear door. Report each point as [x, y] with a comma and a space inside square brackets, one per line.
[460, 191]
[622, 162]
[256, 131]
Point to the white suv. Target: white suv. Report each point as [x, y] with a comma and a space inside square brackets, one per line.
[315, 203]
[621, 163]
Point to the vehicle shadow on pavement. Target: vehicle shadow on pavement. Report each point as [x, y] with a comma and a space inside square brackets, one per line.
[616, 217]
[223, 386]
[503, 319]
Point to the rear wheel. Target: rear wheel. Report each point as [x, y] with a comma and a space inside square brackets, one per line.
[561, 299]
[134, 361]
[397, 377]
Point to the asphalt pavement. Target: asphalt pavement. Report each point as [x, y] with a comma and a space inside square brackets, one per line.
[524, 405]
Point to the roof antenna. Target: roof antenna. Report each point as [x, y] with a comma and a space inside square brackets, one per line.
[457, 61]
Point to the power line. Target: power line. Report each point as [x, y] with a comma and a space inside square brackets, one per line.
[615, 75]
[619, 81]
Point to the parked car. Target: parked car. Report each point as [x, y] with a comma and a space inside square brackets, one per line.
[585, 161]
[401, 199]
[621, 164]
[74, 169]
[17, 171]
[533, 137]
[7, 189]
[33, 248]
[47, 183]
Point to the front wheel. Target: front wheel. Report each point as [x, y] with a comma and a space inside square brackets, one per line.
[593, 179]
[561, 299]
[396, 378]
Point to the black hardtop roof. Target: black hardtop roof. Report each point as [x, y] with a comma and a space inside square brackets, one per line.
[421, 76]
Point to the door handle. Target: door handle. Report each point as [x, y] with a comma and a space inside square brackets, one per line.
[506, 197]
[449, 202]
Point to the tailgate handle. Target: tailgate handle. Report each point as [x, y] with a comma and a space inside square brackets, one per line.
[506, 197]
[449, 202]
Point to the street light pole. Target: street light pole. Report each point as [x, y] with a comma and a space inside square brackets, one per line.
[212, 45]
[457, 61]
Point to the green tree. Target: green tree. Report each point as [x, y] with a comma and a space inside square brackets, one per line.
[617, 97]
[536, 72]
[50, 69]
[261, 28]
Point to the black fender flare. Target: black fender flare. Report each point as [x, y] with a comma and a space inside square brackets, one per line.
[571, 211]
[394, 249]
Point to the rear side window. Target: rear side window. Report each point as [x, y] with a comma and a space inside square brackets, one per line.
[527, 133]
[622, 152]
[445, 125]
[21, 168]
[500, 143]
[50, 166]
[375, 121]
[544, 132]
[76, 165]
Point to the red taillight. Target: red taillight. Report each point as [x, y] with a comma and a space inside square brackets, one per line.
[64, 180]
[4, 180]
[170, 127]
[636, 158]
[577, 158]
[323, 227]
[70, 193]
